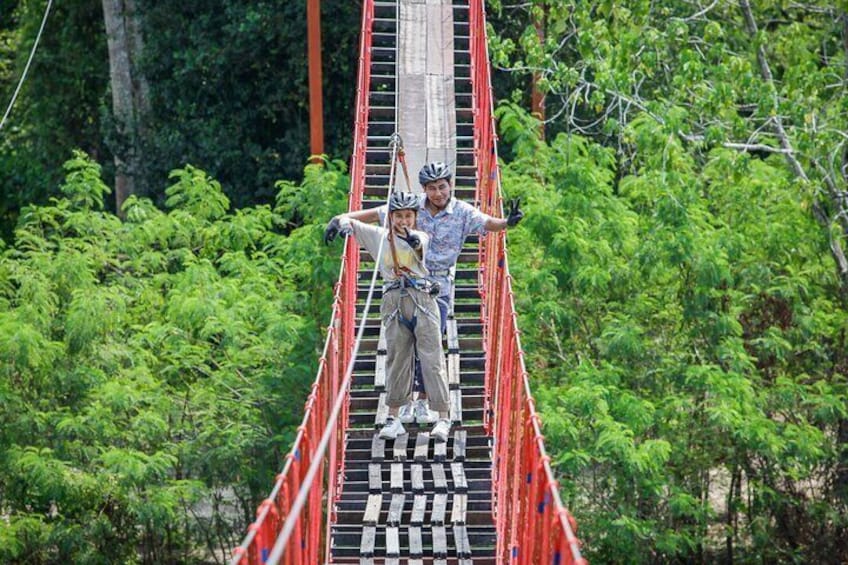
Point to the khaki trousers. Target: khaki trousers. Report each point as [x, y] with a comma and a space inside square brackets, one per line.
[405, 304]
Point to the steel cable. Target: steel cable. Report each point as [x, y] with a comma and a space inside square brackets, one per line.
[29, 61]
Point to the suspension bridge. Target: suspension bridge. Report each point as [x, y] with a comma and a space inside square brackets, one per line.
[488, 494]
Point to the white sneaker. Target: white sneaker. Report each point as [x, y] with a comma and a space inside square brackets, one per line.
[392, 429]
[423, 414]
[408, 412]
[441, 430]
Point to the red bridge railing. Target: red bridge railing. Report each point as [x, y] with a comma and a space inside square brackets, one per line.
[531, 522]
[308, 543]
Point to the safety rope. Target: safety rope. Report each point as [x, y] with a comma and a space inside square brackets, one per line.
[402, 159]
[26, 67]
[318, 457]
[396, 143]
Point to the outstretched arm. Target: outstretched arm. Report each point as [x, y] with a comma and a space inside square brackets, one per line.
[366, 216]
[495, 224]
[370, 216]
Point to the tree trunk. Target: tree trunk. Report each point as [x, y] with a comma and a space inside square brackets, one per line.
[130, 93]
[537, 97]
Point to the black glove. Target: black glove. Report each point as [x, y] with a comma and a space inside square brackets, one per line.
[412, 239]
[332, 231]
[515, 214]
[435, 288]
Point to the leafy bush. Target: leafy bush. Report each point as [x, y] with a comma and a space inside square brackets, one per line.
[687, 343]
[152, 371]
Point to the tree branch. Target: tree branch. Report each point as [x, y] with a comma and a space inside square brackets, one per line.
[819, 212]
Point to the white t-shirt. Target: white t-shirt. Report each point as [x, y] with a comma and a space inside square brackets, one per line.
[409, 260]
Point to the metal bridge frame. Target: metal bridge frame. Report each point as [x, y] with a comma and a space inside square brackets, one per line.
[532, 524]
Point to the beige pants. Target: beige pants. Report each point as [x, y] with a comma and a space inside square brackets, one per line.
[401, 343]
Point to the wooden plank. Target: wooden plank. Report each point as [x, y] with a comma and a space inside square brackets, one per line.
[375, 478]
[440, 483]
[392, 542]
[372, 509]
[380, 372]
[382, 411]
[440, 506]
[366, 546]
[460, 508]
[440, 542]
[463, 545]
[399, 450]
[440, 451]
[378, 449]
[381, 341]
[416, 545]
[419, 506]
[396, 509]
[416, 477]
[459, 442]
[453, 370]
[453, 336]
[460, 485]
[422, 444]
[456, 406]
[397, 477]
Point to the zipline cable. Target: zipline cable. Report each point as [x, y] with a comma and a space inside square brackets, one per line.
[29, 61]
[318, 456]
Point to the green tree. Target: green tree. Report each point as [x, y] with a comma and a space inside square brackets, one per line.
[689, 352]
[228, 92]
[60, 103]
[153, 370]
[761, 79]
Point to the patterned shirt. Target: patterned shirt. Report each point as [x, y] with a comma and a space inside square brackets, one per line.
[447, 230]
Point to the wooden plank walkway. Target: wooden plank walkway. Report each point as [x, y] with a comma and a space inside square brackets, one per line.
[415, 500]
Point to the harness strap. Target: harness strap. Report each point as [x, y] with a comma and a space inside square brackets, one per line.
[410, 324]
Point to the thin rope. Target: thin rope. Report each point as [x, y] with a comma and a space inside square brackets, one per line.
[402, 159]
[396, 143]
[318, 456]
[29, 61]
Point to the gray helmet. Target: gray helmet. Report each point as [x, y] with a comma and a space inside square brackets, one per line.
[434, 171]
[403, 201]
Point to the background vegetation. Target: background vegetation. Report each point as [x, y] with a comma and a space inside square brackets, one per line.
[680, 272]
[229, 95]
[154, 368]
[682, 279]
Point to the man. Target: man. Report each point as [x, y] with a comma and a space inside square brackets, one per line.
[408, 311]
[448, 222]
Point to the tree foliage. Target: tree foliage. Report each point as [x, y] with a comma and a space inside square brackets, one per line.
[60, 103]
[767, 78]
[152, 370]
[684, 325]
[228, 85]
